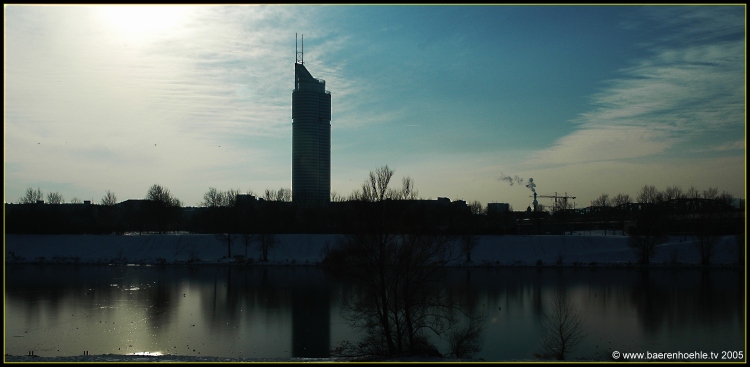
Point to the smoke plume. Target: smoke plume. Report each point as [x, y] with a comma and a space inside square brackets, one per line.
[511, 180]
[531, 185]
[518, 180]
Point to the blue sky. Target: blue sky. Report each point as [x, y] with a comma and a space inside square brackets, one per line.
[585, 100]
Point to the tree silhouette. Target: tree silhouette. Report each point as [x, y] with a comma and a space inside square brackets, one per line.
[109, 198]
[55, 198]
[164, 209]
[107, 213]
[31, 196]
[672, 192]
[223, 219]
[711, 213]
[399, 299]
[466, 340]
[648, 232]
[266, 241]
[476, 207]
[283, 194]
[648, 195]
[603, 204]
[213, 198]
[397, 272]
[375, 187]
[562, 327]
[620, 201]
[468, 242]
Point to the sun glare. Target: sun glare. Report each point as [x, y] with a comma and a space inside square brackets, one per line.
[138, 22]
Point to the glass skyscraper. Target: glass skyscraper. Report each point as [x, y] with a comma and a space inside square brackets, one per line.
[311, 139]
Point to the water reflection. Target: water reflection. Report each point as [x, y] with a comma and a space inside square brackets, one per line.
[277, 312]
[311, 317]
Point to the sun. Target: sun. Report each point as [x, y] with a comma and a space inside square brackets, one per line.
[140, 22]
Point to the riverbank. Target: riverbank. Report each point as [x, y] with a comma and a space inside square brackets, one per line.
[180, 359]
[578, 249]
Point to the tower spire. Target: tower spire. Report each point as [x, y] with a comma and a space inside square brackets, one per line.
[299, 54]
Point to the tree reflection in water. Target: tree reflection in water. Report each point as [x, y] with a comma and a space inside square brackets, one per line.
[399, 303]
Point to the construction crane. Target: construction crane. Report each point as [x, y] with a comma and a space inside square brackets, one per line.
[561, 201]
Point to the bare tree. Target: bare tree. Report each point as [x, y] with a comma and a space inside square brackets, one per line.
[283, 194]
[562, 327]
[644, 246]
[466, 340]
[692, 193]
[726, 198]
[711, 193]
[476, 207]
[226, 237]
[468, 243]
[647, 234]
[707, 235]
[160, 194]
[266, 241]
[407, 191]
[706, 244]
[109, 199]
[648, 194]
[375, 188]
[107, 213]
[222, 216]
[55, 198]
[165, 208]
[247, 240]
[398, 301]
[602, 200]
[31, 196]
[336, 197]
[604, 203]
[213, 198]
[76, 200]
[230, 197]
[619, 201]
[673, 192]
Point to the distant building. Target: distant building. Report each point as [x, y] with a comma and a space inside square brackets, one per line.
[498, 208]
[311, 139]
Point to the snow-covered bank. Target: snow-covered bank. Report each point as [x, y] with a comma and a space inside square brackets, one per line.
[309, 249]
[152, 358]
[121, 358]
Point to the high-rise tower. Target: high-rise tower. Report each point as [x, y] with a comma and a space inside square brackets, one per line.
[311, 138]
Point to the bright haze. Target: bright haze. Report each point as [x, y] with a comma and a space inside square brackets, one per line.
[586, 100]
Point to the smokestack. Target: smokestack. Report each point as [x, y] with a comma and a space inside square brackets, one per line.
[531, 185]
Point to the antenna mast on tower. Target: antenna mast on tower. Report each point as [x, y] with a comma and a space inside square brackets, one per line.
[300, 54]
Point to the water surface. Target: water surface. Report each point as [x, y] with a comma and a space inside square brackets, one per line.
[287, 311]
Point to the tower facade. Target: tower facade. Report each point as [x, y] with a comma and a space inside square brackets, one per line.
[311, 139]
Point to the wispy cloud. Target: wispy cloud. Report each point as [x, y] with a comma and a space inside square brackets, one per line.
[681, 93]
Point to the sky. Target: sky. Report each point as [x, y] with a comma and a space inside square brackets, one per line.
[586, 100]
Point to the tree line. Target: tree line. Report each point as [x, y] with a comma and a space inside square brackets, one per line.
[222, 212]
